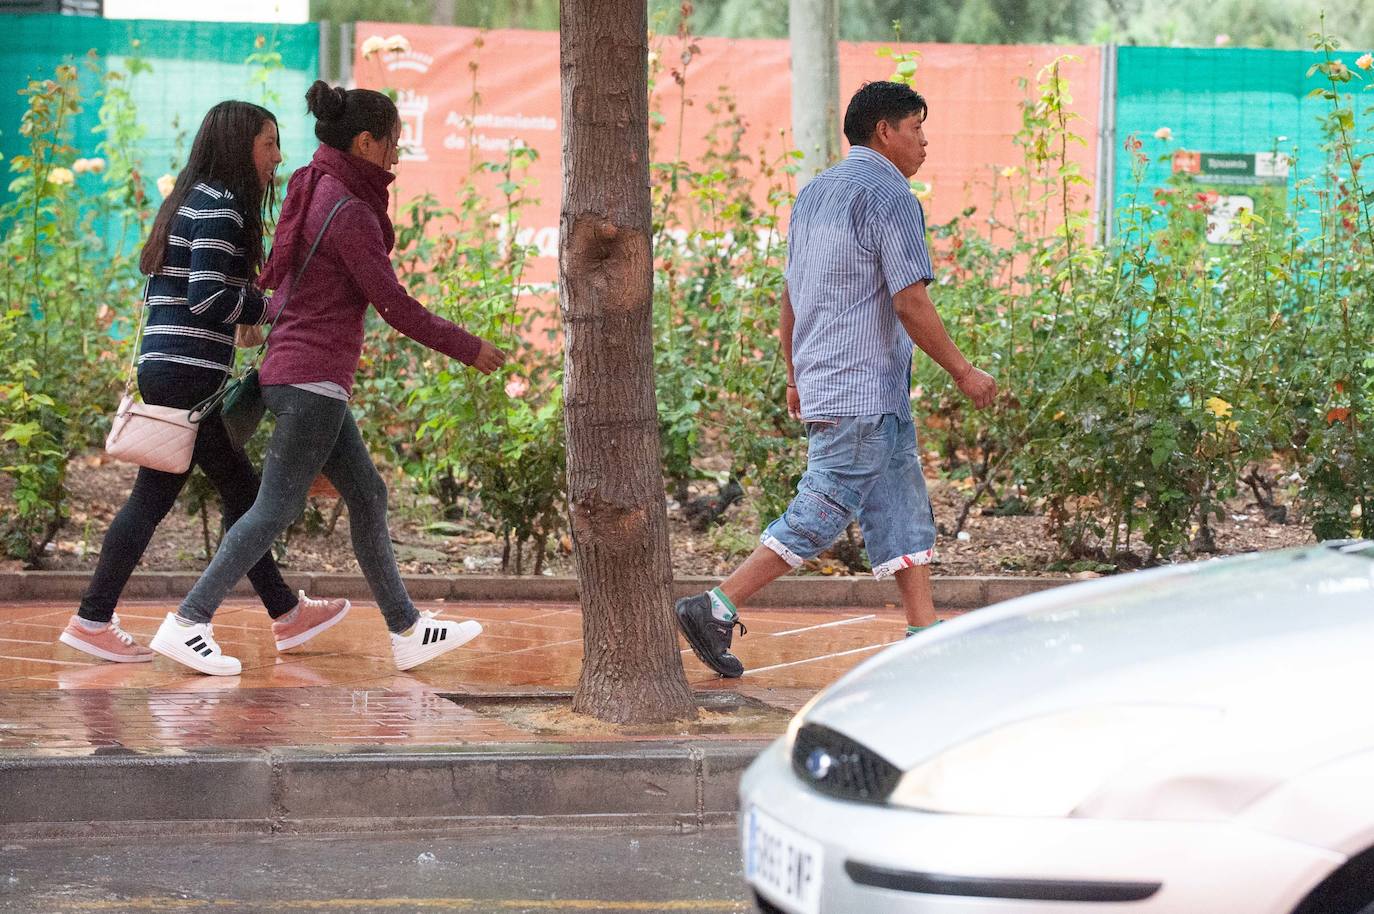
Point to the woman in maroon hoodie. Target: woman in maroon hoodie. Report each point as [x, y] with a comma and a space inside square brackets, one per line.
[308, 372]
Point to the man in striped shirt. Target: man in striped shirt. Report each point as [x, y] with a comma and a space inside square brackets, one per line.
[854, 302]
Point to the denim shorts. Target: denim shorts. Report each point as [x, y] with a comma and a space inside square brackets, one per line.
[866, 466]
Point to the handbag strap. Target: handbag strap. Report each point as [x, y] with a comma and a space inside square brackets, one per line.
[138, 336]
[201, 409]
[257, 356]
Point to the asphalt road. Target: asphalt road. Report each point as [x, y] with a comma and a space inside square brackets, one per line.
[541, 870]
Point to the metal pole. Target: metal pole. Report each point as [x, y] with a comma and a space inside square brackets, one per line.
[1104, 192]
[324, 68]
[347, 33]
[814, 31]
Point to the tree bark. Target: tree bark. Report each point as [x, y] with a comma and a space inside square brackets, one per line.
[445, 12]
[814, 36]
[631, 669]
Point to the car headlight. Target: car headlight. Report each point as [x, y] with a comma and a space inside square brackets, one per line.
[1046, 766]
[795, 724]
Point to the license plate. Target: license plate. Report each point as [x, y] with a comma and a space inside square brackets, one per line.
[782, 863]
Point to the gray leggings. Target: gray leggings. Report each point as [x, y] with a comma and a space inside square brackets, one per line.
[314, 434]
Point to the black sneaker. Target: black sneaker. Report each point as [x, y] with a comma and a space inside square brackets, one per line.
[708, 636]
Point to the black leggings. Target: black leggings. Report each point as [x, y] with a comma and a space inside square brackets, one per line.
[155, 492]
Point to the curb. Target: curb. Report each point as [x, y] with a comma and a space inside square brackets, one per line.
[686, 785]
[951, 592]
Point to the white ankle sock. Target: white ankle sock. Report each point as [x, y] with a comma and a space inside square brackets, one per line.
[721, 607]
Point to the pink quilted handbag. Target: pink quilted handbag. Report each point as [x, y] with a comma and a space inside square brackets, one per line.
[156, 437]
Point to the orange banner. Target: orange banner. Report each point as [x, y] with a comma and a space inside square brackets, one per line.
[466, 95]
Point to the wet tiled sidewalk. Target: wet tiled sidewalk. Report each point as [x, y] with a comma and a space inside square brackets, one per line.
[342, 689]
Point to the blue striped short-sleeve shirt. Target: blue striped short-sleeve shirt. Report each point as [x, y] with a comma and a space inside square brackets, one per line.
[857, 237]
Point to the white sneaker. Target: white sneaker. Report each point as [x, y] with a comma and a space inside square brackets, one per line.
[430, 637]
[193, 646]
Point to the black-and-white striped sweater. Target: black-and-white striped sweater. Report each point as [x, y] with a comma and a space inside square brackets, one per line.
[203, 288]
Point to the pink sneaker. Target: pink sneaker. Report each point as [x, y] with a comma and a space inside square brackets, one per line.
[308, 619]
[108, 643]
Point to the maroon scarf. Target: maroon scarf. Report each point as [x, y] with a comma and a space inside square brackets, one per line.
[364, 180]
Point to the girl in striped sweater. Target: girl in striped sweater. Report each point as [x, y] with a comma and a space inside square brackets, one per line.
[201, 257]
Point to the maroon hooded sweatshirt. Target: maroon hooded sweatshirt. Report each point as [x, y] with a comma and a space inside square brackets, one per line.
[319, 335]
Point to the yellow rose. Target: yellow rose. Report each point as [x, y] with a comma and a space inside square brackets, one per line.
[1010, 171]
[398, 44]
[1365, 62]
[165, 185]
[372, 45]
[61, 176]
[1218, 407]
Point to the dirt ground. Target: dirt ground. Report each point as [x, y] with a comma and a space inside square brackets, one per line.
[1015, 545]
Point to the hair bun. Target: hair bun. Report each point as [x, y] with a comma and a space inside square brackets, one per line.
[324, 101]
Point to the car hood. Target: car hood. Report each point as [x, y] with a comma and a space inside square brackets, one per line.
[1272, 640]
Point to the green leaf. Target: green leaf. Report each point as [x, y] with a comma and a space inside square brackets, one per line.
[22, 433]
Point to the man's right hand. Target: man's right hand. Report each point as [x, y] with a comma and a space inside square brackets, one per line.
[489, 358]
[793, 401]
[978, 386]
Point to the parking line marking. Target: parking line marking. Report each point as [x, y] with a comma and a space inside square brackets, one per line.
[812, 628]
[857, 650]
[44, 660]
[792, 631]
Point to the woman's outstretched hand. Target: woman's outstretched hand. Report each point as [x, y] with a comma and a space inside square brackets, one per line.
[489, 358]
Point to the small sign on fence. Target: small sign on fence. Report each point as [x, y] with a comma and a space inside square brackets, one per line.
[1235, 183]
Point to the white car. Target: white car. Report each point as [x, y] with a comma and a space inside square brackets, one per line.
[1197, 739]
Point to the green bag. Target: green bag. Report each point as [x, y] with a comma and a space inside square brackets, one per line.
[243, 407]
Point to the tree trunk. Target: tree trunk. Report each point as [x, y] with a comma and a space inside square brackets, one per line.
[445, 12]
[631, 669]
[814, 36]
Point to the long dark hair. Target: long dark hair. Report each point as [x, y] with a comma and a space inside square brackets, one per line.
[341, 114]
[222, 151]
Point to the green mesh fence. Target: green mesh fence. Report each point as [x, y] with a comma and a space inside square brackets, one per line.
[1213, 100]
[194, 65]
[1225, 101]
